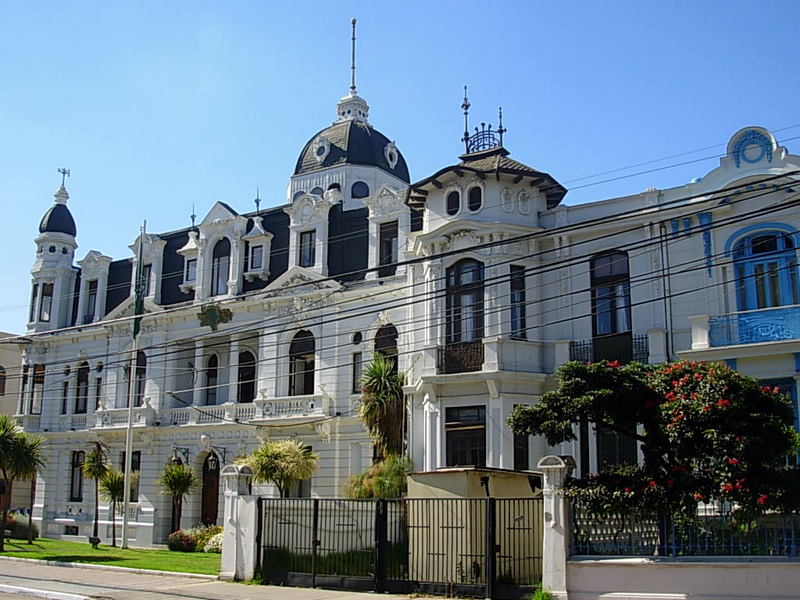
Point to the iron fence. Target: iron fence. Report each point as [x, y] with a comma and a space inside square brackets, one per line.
[483, 547]
[461, 357]
[624, 348]
[712, 532]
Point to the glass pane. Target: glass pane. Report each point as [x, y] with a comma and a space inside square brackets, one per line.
[623, 312]
[774, 297]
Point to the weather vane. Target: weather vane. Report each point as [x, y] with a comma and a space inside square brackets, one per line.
[465, 107]
[64, 174]
[258, 202]
[192, 216]
[353, 59]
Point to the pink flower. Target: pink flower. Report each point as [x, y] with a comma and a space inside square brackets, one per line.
[733, 461]
[726, 487]
[762, 499]
[613, 364]
[723, 402]
[652, 484]
[698, 497]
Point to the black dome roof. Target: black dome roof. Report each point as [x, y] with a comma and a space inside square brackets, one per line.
[58, 219]
[351, 142]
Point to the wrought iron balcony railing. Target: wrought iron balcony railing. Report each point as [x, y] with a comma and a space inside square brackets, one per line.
[461, 357]
[623, 347]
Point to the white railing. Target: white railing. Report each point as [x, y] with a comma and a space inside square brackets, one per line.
[210, 414]
[244, 411]
[289, 406]
[118, 417]
[178, 416]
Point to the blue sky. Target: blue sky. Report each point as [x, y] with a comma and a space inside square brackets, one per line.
[159, 105]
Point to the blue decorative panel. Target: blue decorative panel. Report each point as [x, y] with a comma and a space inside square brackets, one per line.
[749, 138]
[705, 226]
[687, 224]
[675, 227]
[752, 327]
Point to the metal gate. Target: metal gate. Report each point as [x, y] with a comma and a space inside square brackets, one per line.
[484, 547]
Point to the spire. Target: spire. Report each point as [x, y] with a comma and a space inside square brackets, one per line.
[352, 107]
[465, 107]
[61, 194]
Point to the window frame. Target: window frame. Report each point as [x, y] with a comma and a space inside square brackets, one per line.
[517, 283]
[388, 248]
[306, 248]
[471, 201]
[456, 293]
[82, 389]
[302, 364]
[220, 267]
[46, 303]
[246, 377]
[357, 371]
[778, 283]
[452, 208]
[460, 429]
[190, 270]
[610, 293]
[90, 313]
[76, 476]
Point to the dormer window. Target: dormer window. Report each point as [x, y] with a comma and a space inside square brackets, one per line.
[359, 190]
[220, 267]
[91, 301]
[453, 202]
[256, 258]
[307, 254]
[46, 304]
[190, 273]
[147, 274]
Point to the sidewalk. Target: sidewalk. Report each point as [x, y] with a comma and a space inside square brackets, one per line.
[119, 584]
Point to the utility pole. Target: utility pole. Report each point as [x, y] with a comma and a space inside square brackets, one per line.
[138, 309]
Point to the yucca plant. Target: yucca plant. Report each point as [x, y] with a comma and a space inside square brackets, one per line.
[112, 489]
[95, 465]
[382, 408]
[177, 480]
[283, 463]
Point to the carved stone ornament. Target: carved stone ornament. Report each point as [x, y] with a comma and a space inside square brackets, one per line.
[463, 240]
[211, 315]
[384, 318]
[321, 149]
[524, 198]
[324, 431]
[391, 154]
[507, 200]
[386, 202]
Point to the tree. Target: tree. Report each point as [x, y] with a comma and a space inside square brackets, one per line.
[706, 432]
[382, 408]
[386, 479]
[112, 488]
[95, 465]
[283, 463]
[21, 455]
[177, 480]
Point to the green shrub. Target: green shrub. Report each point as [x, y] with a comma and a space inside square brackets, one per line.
[181, 541]
[541, 594]
[386, 479]
[214, 544]
[18, 524]
[203, 533]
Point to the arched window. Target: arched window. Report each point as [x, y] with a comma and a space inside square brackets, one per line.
[475, 198]
[359, 190]
[247, 377]
[212, 379]
[140, 378]
[386, 343]
[465, 301]
[2, 381]
[82, 389]
[765, 264]
[317, 191]
[220, 267]
[453, 202]
[611, 294]
[301, 364]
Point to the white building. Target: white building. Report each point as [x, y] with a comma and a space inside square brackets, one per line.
[477, 278]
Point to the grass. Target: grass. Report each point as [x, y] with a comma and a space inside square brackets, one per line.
[158, 560]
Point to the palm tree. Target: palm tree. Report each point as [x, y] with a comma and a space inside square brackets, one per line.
[382, 408]
[112, 488]
[95, 466]
[177, 480]
[20, 456]
[283, 463]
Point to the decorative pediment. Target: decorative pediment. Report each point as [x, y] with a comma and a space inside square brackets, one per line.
[126, 309]
[191, 247]
[152, 247]
[299, 281]
[387, 201]
[219, 212]
[308, 208]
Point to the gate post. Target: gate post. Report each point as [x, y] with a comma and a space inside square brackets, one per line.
[381, 543]
[490, 550]
[557, 524]
[239, 546]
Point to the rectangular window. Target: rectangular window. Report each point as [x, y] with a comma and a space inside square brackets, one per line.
[76, 477]
[465, 435]
[256, 258]
[91, 301]
[34, 293]
[615, 448]
[307, 249]
[98, 391]
[521, 452]
[357, 369]
[147, 271]
[64, 397]
[46, 304]
[387, 246]
[191, 269]
[37, 390]
[22, 390]
[136, 465]
[518, 328]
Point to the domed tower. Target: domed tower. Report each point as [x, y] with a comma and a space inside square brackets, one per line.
[53, 285]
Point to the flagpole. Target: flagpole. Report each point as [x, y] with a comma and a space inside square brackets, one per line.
[138, 290]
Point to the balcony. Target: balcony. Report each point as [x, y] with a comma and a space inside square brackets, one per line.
[461, 357]
[777, 324]
[622, 347]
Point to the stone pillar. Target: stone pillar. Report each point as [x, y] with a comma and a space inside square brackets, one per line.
[197, 391]
[239, 548]
[233, 372]
[557, 530]
[701, 338]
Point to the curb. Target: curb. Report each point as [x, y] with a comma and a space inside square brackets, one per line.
[56, 563]
[15, 589]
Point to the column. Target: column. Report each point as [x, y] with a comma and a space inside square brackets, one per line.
[233, 372]
[239, 547]
[267, 366]
[557, 531]
[197, 391]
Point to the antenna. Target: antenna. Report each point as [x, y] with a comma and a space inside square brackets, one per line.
[258, 203]
[465, 106]
[64, 174]
[193, 216]
[501, 130]
[353, 59]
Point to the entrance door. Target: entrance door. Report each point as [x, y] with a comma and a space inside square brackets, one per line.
[210, 490]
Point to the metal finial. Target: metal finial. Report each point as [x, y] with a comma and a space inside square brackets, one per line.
[64, 174]
[353, 59]
[258, 202]
[501, 130]
[193, 216]
[465, 107]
